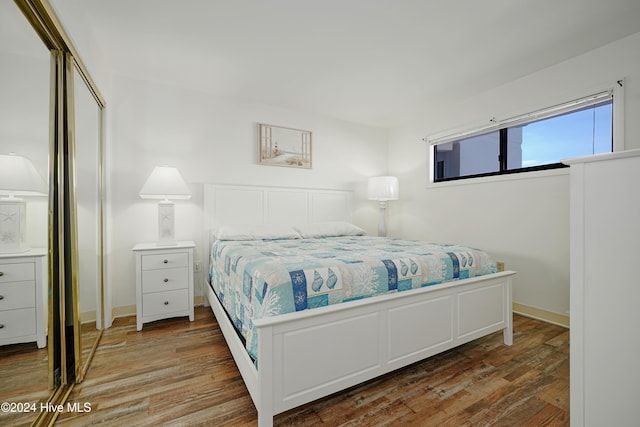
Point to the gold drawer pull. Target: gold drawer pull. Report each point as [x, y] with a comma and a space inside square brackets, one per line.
[166, 261]
[166, 280]
[166, 303]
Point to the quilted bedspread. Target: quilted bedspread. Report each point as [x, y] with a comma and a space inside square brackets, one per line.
[259, 278]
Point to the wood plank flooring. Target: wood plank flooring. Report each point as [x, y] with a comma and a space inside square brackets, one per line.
[175, 372]
[23, 370]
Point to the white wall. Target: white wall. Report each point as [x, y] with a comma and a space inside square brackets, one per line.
[524, 222]
[215, 140]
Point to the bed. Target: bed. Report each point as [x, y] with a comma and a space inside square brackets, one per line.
[293, 355]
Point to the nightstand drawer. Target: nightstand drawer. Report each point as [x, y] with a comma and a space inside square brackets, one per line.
[16, 323]
[165, 279]
[17, 295]
[165, 302]
[17, 272]
[153, 262]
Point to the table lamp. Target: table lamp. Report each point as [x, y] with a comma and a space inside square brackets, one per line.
[383, 189]
[165, 183]
[18, 177]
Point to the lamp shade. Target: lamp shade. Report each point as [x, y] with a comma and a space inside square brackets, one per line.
[18, 177]
[165, 182]
[383, 188]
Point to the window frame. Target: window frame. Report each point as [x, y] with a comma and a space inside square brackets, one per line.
[613, 93]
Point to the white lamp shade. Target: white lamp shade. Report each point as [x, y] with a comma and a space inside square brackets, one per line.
[383, 188]
[18, 177]
[165, 182]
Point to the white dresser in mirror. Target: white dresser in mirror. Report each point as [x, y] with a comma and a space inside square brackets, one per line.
[23, 307]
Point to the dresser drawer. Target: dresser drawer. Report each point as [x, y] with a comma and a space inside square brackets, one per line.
[17, 295]
[17, 272]
[17, 323]
[165, 279]
[154, 262]
[165, 302]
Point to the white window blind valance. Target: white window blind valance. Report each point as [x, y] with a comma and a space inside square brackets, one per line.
[495, 125]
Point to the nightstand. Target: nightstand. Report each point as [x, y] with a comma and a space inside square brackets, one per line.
[164, 281]
[23, 303]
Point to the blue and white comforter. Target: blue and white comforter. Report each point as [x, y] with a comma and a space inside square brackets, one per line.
[259, 278]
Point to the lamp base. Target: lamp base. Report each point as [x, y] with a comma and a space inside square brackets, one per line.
[382, 225]
[13, 218]
[166, 224]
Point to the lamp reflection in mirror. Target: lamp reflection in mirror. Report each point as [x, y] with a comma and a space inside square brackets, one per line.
[383, 189]
[18, 177]
[165, 183]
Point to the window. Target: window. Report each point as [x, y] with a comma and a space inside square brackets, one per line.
[534, 141]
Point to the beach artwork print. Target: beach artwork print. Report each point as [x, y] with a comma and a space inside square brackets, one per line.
[282, 146]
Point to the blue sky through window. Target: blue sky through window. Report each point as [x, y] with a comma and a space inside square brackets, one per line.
[580, 133]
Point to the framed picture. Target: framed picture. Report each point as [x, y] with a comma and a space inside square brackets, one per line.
[281, 146]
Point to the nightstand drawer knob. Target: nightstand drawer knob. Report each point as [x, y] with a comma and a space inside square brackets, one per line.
[1, 326]
[166, 280]
[166, 261]
[1, 297]
[1, 274]
[166, 303]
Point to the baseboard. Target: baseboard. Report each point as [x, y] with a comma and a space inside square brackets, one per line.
[88, 316]
[123, 311]
[540, 314]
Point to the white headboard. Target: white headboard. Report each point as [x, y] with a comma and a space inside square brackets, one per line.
[241, 204]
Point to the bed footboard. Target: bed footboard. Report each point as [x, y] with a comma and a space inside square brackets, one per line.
[311, 354]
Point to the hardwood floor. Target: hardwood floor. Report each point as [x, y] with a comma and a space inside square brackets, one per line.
[176, 372]
[23, 369]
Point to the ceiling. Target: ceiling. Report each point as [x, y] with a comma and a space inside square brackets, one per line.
[375, 62]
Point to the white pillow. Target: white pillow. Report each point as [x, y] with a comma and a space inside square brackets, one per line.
[329, 229]
[255, 232]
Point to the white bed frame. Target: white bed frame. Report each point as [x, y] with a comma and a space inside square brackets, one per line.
[310, 354]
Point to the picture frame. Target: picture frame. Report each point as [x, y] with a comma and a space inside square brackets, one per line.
[283, 146]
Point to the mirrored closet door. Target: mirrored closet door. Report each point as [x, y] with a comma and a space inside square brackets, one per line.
[51, 213]
[25, 363]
